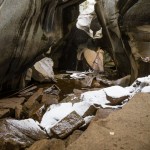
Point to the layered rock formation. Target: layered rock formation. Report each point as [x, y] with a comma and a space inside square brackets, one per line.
[28, 29]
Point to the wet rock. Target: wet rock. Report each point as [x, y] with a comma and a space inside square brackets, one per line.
[49, 99]
[4, 113]
[32, 100]
[73, 137]
[19, 134]
[53, 144]
[67, 125]
[43, 70]
[116, 94]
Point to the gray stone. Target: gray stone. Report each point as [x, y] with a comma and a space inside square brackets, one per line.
[67, 125]
[19, 134]
[42, 70]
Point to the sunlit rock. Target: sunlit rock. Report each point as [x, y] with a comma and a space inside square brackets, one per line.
[43, 70]
[45, 144]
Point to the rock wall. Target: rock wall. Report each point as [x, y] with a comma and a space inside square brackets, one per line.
[28, 28]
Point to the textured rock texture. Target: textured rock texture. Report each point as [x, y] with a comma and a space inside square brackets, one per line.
[28, 28]
[67, 125]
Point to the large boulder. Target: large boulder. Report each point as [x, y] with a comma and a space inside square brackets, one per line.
[127, 128]
[42, 70]
[19, 134]
[28, 28]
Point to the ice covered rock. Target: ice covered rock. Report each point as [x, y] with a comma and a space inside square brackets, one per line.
[19, 134]
[97, 98]
[42, 71]
[67, 125]
[54, 114]
[116, 94]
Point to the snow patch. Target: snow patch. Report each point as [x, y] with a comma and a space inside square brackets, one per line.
[54, 114]
[116, 91]
[146, 89]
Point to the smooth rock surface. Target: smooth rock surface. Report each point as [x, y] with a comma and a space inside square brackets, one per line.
[53, 144]
[127, 128]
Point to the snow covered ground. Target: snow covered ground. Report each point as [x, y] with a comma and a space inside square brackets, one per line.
[57, 112]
